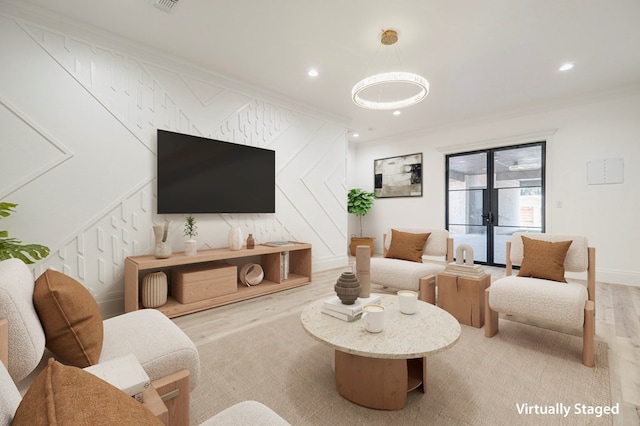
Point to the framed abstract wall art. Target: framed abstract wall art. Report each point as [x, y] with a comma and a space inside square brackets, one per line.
[398, 176]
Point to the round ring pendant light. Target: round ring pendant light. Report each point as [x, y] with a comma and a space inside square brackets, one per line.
[388, 38]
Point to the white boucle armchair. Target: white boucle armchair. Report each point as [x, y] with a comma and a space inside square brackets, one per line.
[406, 275]
[566, 304]
[242, 413]
[166, 353]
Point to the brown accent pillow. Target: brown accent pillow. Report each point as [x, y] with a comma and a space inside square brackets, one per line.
[407, 245]
[544, 259]
[70, 317]
[66, 395]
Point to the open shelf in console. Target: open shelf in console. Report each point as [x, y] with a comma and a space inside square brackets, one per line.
[299, 273]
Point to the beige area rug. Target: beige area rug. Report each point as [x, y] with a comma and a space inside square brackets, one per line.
[479, 381]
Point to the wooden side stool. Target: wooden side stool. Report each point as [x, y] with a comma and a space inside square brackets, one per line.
[463, 297]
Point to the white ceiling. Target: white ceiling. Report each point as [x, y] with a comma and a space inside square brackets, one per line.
[482, 58]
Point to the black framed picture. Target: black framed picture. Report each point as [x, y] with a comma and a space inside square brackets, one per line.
[398, 176]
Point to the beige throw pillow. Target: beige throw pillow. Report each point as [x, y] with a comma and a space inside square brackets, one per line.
[407, 245]
[70, 318]
[544, 259]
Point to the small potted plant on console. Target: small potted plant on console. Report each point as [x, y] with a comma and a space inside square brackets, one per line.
[190, 230]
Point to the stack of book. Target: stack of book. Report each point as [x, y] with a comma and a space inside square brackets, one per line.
[462, 270]
[337, 309]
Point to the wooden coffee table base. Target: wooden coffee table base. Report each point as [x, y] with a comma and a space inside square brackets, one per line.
[376, 382]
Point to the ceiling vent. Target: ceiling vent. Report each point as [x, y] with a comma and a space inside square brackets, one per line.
[166, 5]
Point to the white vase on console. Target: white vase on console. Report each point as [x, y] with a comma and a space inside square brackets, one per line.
[236, 238]
[162, 248]
[190, 247]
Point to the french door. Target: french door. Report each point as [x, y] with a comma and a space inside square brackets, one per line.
[493, 193]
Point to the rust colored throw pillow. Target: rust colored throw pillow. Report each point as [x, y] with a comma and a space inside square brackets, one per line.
[407, 245]
[66, 395]
[70, 317]
[544, 259]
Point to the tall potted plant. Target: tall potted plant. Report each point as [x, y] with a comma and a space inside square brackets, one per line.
[359, 202]
[12, 247]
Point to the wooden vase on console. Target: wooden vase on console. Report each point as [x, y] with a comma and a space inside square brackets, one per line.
[363, 269]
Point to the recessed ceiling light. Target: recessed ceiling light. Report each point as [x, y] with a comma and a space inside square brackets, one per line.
[313, 72]
[397, 112]
[566, 67]
[356, 135]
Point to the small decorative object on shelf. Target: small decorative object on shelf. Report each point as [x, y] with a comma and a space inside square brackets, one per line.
[278, 243]
[190, 230]
[162, 249]
[251, 243]
[251, 274]
[284, 265]
[348, 288]
[464, 266]
[236, 238]
[154, 290]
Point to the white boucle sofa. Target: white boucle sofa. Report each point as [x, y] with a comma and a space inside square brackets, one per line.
[406, 275]
[570, 304]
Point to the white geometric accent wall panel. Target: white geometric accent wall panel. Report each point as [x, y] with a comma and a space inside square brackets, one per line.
[80, 126]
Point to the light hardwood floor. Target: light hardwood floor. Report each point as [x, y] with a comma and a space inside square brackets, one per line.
[617, 324]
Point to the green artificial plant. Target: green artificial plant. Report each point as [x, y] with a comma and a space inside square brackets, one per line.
[359, 203]
[13, 248]
[190, 228]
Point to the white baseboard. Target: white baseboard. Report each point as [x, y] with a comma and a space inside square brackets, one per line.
[330, 262]
[111, 305]
[614, 276]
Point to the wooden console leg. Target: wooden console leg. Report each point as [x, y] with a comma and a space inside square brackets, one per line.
[174, 391]
[427, 289]
[588, 334]
[491, 317]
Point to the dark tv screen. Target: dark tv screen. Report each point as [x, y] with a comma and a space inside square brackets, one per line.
[201, 175]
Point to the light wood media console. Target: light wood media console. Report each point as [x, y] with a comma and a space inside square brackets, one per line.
[268, 257]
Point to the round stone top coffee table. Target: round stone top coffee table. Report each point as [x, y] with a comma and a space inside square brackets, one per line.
[377, 370]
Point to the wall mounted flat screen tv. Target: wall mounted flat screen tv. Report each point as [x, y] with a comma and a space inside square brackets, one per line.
[201, 175]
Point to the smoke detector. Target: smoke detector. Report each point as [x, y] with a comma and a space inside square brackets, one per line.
[166, 5]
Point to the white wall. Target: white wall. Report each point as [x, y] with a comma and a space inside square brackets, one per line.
[605, 126]
[79, 115]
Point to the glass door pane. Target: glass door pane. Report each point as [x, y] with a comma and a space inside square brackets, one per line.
[467, 186]
[518, 184]
[493, 193]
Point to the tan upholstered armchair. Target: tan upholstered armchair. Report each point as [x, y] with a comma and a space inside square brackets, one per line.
[540, 292]
[411, 263]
